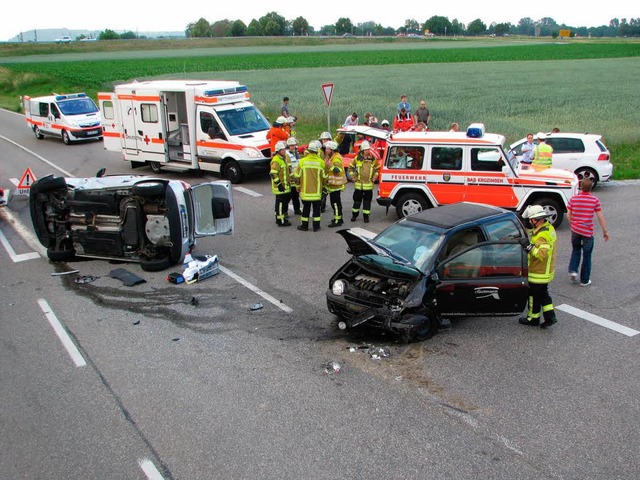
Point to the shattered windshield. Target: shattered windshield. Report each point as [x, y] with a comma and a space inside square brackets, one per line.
[407, 240]
[243, 120]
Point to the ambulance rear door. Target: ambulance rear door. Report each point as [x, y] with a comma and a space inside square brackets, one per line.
[142, 126]
[111, 124]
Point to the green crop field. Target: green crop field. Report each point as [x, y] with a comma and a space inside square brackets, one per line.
[513, 88]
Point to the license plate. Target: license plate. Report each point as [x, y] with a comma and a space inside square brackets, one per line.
[92, 132]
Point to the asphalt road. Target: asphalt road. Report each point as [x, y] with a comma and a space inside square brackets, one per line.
[99, 380]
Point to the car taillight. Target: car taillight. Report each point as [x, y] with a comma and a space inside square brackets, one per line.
[604, 157]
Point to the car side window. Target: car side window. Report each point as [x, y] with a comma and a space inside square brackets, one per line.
[486, 160]
[566, 145]
[502, 230]
[43, 109]
[149, 112]
[503, 260]
[446, 158]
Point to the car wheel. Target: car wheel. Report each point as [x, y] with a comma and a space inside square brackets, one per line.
[422, 327]
[588, 173]
[409, 204]
[38, 133]
[232, 171]
[65, 137]
[155, 167]
[48, 184]
[552, 207]
[155, 264]
[148, 189]
[60, 255]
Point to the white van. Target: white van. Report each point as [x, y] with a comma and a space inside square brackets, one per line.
[187, 124]
[72, 117]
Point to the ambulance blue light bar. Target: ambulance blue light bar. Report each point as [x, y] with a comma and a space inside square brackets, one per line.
[225, 91]
[71, 95]
[475, 130]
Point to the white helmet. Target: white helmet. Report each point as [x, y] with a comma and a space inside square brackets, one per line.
[384, 123]
[365, 145]
[281, 145]
[325, 136]
[291, 120]
[292, 141]
[281, 120]
[541, 136]
[314, 146]
[534, 211]
[332, 145]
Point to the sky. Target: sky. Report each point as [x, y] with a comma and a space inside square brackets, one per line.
[144, 16]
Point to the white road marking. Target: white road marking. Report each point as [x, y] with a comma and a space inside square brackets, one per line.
[39, 157]
[64, 337]
[255, 289]
[247, 191]
[603, 322]
[150, 469]
[23, 231]
[12, 253]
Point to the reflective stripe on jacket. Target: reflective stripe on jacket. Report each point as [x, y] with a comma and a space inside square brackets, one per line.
[336, 178]
[542, 257]
[364, 172]
[542, 155]
[311, 177]
[279, 174]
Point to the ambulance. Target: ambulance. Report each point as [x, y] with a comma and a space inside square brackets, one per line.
[187, 124]
[72, 117]
[422, 170]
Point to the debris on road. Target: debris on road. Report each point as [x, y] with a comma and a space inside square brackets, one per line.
[85, 279]
[69, 272]
[257, 306]
[128, 278]
[332, 367]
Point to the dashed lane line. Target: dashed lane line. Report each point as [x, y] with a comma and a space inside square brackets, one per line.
[149, 469]
[62, 334]
[253, 288]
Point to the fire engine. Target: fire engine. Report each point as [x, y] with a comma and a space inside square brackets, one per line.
[187, 124]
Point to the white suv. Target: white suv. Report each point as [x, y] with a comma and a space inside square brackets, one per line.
[584, 154]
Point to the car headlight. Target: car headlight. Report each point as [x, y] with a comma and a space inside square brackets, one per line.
[338, 287]
[252, 152]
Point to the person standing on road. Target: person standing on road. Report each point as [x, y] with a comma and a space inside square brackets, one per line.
[528, 149]
[277, 133]
[336, 181]
[541, 254]
[280, 183]
[311, 178]
[580, 211]
[542, 153]
[294, 158]
[363, 172]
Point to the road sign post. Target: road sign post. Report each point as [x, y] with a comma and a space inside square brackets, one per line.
[327, 91]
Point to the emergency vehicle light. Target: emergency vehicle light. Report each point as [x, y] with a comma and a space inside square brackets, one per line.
[475, 130]
[71, 95]
[225, 91]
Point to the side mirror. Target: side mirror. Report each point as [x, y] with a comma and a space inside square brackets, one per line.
[101, 172]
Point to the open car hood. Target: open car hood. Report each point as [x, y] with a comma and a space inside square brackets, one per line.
[361, 242]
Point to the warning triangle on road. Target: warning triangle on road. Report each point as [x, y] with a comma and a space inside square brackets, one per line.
[27, 179]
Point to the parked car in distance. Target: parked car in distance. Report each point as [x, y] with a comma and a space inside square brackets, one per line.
[461, 259]
[582, 153]
[65, 39]
[131, 218]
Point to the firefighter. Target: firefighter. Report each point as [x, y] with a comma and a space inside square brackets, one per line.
[280, 183]
[294, 158]
[543, 152]
[311, 178]
[336, 181]
[277, 133]
[325, 137]
[363, 172]
[541, 253]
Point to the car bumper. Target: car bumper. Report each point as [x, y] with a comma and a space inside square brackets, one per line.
[255, 167]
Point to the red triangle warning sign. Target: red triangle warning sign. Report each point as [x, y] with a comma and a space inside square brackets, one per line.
[27, 179]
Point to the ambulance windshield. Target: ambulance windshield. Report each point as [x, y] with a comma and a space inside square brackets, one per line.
[243, 120]
[77, 106]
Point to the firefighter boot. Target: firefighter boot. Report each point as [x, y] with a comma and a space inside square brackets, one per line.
[532, 322]
[316, 225]
[303, 227]
[548, 322]
[365, 217]
[336, 223]
[354, 216]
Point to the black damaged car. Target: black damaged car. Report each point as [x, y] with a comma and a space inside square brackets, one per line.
[455, 260]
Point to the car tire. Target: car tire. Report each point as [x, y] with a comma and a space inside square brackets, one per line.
[552, 207]
[60, 255]
[155, 167]
[148, 189]
[422, 328]
[48, 184]
[66, 138]
[410, 204]
[587, 173]
[155, 264]
[232, 171]
[39, 135]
